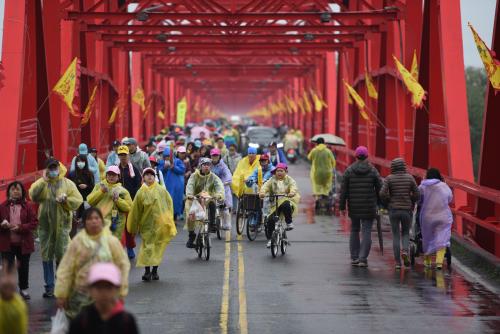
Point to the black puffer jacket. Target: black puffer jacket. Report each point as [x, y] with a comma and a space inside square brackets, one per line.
[400, 190]
[360, 188]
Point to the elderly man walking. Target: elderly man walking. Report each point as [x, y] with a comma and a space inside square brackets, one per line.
[360, 189]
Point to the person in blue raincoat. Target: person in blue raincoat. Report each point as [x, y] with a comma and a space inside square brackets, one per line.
[220, 169]
[264, 172]
[173, 170]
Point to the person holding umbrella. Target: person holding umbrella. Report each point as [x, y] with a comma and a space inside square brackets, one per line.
[359, 192]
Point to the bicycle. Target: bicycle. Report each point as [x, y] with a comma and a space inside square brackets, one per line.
[202, 242]
[249, 206]
[279, 239]
[220, 207]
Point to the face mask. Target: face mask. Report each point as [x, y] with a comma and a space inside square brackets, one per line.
[80, 165]
[53, 173]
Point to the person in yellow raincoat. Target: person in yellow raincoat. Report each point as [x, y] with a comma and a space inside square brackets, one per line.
[58, 197]
[13, 309]
[323, 163]
[243, 171]
[281, 184]
[201, 181]
[91, 245]
[152, 216]
[113, 200]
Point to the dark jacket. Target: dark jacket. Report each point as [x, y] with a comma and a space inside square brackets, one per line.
[360, 189]
[29, 222]
[132, 184]
[89, 321]
[83, 177]
[400, 190]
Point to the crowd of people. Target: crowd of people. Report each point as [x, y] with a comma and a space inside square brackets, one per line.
[88, 217]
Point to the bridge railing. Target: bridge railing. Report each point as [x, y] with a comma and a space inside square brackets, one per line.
[466, 217]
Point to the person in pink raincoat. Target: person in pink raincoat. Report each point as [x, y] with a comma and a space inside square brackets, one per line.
[435, 217]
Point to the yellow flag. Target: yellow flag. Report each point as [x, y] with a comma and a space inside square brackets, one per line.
[161, 115]
[359, 101]
[416, 90]
[139, 98]
[89, 107]
[181, 112]
[414, 66]
[372, 92]
[318, 103]
[307, 103]
[148, 107]
[67, 85]
[491, 64]
[300, 103]
[113, 114]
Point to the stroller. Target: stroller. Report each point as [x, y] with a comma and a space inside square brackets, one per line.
[416, 247]
[325, 204]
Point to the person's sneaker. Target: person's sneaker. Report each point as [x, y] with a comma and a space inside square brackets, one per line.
[48, 294]
[406, 259]
[354, 262]
[130, 253]
[146, 277]
[439, 266]
[363, 264]
[398, 266]
[268, 244]
[155, 276]
[190, 242]
[25, 294]
[289, 227]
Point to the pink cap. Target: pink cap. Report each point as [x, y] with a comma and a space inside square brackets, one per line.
[113, 169]
[161, 146]
[104, 271]
[281, 165]
[361, 151]
[181, 149]
[215, 151]
[148, 170]
[152, 158]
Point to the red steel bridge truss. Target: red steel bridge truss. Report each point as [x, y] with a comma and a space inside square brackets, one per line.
[236, 55]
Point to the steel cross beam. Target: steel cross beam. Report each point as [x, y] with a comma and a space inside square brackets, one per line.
[389, 14]
[271, 29]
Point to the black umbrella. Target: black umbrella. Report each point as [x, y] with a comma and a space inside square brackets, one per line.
[379, 232]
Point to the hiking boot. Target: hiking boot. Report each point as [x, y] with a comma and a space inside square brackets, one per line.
[146, 277]
[155, 276]
[190, 242]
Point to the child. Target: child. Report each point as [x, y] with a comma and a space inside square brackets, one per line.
[13, 310]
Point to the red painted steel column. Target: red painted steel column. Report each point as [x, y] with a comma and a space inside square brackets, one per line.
[330, 92]
[136, 81]
[488, 168]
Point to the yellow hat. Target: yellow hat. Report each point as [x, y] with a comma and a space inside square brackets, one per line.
[123, 150]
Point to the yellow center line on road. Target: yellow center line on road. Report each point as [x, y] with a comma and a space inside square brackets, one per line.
[224, 308]
[241, 289]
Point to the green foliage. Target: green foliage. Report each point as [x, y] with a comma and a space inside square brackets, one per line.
[476, 81]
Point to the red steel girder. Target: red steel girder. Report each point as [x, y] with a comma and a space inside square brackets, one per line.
[389, 14]
[271, 29]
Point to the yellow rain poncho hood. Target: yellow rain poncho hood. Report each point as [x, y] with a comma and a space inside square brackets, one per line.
[242, 172]
[13, 315]
[323, 163]
[152, 216]
[104, 201]
[83, 251]
[55, 218]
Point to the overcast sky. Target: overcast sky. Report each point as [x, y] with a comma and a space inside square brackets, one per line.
[480, 13]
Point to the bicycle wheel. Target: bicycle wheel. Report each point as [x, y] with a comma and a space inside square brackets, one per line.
[199, 245]
[240, 221]
[283, 244]
[206, 247]
[252, 231]
[274, 244]
[218, 224]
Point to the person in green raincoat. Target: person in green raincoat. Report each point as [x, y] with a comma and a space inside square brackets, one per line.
[113, 200]
[152, 216]
[93, 244]
[58, 197]
[281, 184]
[201, 181]
[323, 163]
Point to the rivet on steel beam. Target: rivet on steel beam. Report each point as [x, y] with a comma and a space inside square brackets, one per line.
[325, 17]
[189, 66]
[142, 16]
[309, 37]
[161, 37]
[171, 49]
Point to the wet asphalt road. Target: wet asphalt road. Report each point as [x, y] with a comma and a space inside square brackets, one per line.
[312, 289]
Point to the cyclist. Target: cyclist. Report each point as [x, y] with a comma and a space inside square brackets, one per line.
[245, 168]
[202, 181]
[220, 169]
[259, 176]
[281, 184]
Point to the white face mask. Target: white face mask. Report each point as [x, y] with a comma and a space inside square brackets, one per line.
[80, 164]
